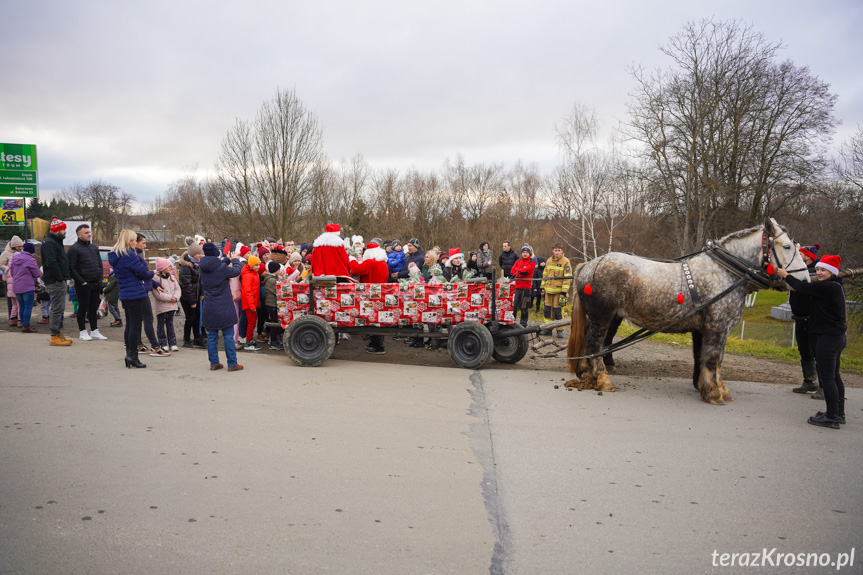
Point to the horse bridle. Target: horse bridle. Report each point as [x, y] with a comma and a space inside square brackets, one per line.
[758, 278]
[767, 242]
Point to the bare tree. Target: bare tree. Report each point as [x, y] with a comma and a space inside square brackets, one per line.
[107, 206]
[726, 126]
[267, 168]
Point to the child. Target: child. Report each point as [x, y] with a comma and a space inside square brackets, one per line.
[271, 279]
[251, 299]
[44, 300]
[167, 304]
[111, 291]
[73, 297]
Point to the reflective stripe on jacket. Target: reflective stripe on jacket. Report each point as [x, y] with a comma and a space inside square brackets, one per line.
[555, 268]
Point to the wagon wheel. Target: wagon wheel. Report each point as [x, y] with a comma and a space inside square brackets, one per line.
[470, 344]
[309, 341]
[509, 348]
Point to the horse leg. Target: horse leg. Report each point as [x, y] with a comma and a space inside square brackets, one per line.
[595, 335]
[696, 354]
[608, 359]
[709, 383]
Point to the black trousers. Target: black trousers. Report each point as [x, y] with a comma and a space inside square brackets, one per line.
[148, 324]
[801, 328]
[134, 315]
[275, 332]
[192, 316]
[88, 304]
[827, 351]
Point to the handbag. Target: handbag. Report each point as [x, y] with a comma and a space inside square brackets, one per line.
[102, 310]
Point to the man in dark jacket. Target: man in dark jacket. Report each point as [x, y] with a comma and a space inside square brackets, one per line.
[85, 265]
[219, 312]
[415, 255]
[55, 274]
[190, 287]
[799, 303]
[506, 260]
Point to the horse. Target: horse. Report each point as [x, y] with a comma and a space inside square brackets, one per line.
[679, 296]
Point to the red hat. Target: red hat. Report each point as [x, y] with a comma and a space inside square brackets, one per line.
[456, 253]
[57, 225]
[262, 250]
[333, 228]
[372, 245]
[244, 250]
[811, 251]
[830, 263]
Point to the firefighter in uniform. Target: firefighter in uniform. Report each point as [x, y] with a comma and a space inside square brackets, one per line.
[556, 289]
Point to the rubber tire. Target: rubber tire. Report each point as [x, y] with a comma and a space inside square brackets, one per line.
[309, 341]
[509, 349]
[470, 345]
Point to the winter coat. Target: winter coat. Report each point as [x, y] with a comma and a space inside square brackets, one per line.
[218, 310]
[537, 273]
[24, 271]
[418, 258]
[331, 258]
[451, 271]
[131, 274]
[271, 282]
[506, 261]
[523, 270]
[170, 289]
[151, 283]
[251, 286]
[484, 262]
[55, 264]
[189, 276]
[85, 265]
[111, 291]
[373, 269]
[6, 259]
[799, 301]
[827, 307]
[396, 261]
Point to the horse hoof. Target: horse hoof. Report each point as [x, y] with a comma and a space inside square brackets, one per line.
[603, 382]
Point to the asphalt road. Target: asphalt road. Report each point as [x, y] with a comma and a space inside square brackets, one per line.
[356, 467]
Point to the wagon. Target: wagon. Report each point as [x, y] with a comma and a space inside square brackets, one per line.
[476, 317]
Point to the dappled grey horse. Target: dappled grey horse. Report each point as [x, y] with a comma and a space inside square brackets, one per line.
[702, 294]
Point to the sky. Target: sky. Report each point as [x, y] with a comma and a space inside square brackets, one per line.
[140, 94]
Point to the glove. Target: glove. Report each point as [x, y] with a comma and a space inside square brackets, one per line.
[562, 301]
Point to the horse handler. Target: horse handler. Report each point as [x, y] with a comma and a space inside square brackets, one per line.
[827, 334]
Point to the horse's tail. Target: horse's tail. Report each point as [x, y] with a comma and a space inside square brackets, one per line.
[577, 345]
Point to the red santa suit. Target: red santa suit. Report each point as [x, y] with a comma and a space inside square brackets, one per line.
[373, 269]
[330, 257]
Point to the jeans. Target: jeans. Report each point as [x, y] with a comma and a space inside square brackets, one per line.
[25, 307]
[57, 291]
[213, 346]
[165, 329]
[88, 304]
[134, 316]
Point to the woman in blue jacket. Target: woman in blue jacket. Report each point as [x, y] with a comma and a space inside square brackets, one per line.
[131, 273]
[218, 312]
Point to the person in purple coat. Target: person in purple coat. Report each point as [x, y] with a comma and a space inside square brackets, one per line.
[218, 312]
[25, 272]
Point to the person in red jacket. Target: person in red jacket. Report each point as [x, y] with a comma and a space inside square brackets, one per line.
[251, 299]
[522, 271]
[330, 256]
[372, 270]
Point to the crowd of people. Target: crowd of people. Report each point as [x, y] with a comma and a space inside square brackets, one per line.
[227, 292]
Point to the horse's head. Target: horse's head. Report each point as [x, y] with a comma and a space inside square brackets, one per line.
[783, 253]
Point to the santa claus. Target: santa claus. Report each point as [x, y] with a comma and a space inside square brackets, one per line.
[330, 257]
[373, 269]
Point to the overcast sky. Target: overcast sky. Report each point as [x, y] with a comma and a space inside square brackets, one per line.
[140, 93]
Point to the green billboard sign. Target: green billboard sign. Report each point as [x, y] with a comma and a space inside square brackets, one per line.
[19, 176]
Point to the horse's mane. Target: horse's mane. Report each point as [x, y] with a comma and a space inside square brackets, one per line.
[743, 233]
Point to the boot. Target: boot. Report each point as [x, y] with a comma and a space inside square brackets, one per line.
[58, 340]
[28, 329]
[810, 378]
[819, 394]
[132, 359]
[840, 411]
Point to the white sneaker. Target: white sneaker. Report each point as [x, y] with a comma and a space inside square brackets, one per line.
[84, 335]
[241, 340]
[175, 348]
[96, 335]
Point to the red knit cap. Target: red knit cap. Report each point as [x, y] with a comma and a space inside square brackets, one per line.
[57, 225]
[244, 250]
[811, 251]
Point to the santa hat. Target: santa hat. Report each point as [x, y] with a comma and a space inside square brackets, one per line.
[200, 239]
[57, 225]
[811, 251]
[830, 263]
[333, 228]
[244, 250]
[210, 249]
[456, 253]
[162, 264]
[375, 252]
[277, 249]
[253, 261]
